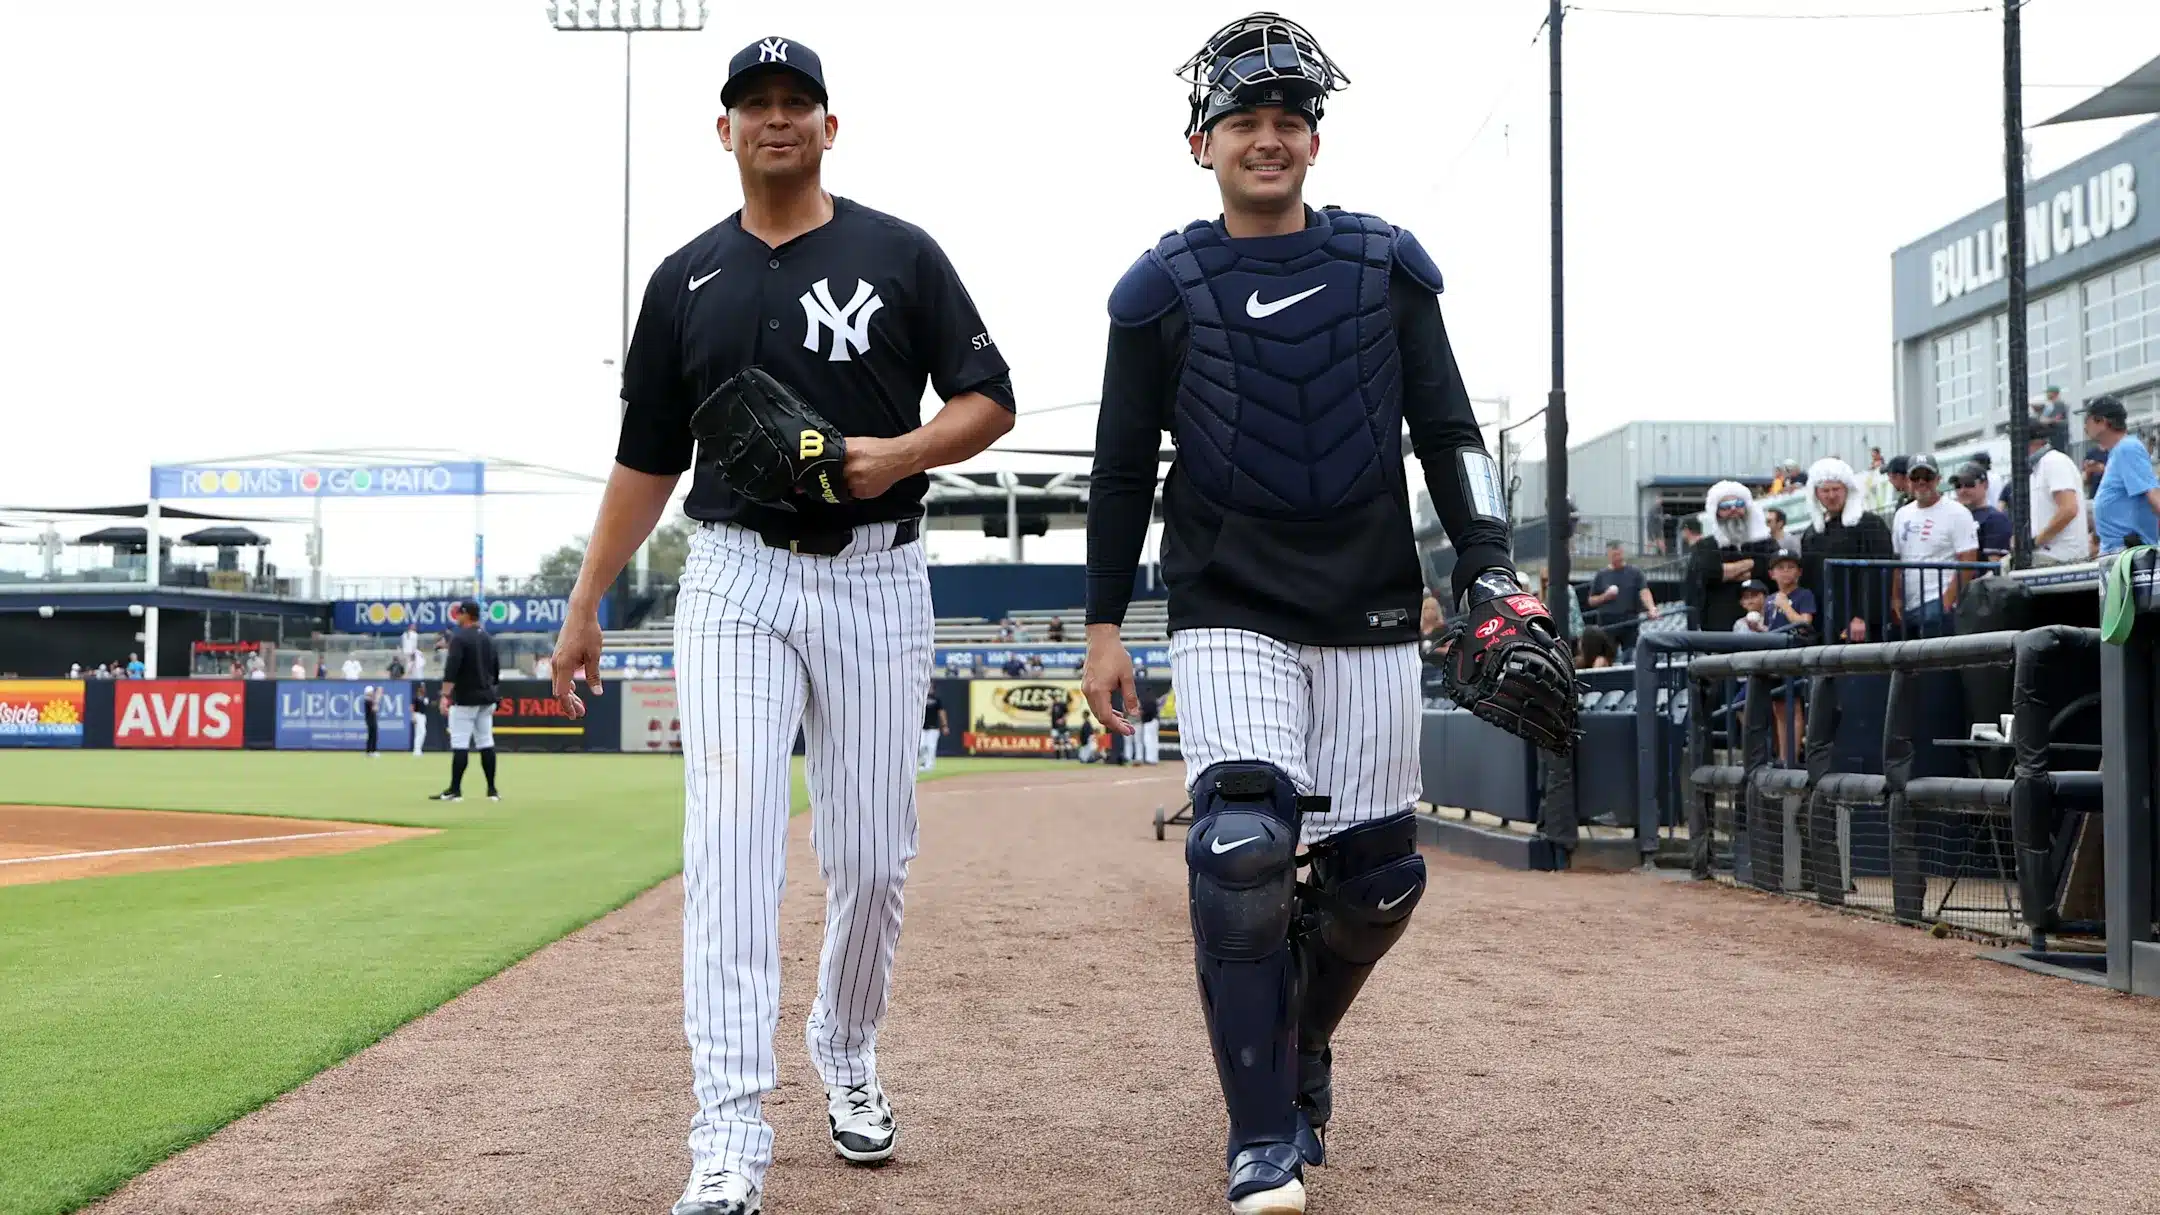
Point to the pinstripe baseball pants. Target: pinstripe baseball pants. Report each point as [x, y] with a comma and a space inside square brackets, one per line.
[1342, 721]
[767, 639]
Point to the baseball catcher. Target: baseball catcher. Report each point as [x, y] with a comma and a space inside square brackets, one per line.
[769, 443]
[1285, 349]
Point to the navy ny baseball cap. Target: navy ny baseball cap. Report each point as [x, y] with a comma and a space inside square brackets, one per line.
[780, 54]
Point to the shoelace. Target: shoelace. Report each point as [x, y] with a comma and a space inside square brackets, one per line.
[712, 1186]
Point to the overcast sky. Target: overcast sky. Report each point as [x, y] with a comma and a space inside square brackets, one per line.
[237, 226]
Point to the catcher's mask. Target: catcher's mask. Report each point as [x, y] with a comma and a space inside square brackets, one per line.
[1264, 59]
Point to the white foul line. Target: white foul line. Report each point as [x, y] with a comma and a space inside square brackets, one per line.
[259, 839]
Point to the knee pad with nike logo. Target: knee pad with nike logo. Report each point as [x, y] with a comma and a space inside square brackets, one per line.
[1242, 853]
[1365, 882]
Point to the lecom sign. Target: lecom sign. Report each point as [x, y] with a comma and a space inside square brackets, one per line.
[178, 713]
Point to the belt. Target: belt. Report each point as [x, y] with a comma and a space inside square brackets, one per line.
[833, 541]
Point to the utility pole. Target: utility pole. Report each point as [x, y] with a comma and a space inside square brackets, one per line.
[2017, 395]
[1557, 531]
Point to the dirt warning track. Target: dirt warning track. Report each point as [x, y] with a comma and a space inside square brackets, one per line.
[1536, 1043]
[56, 843]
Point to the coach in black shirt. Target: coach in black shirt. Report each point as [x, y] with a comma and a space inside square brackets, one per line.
[817, 617]
[471, 672]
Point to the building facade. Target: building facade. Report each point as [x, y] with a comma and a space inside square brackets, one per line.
[2092, 273]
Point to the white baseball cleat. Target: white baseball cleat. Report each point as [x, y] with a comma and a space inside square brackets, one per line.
[720, 1194]
[861, 1122]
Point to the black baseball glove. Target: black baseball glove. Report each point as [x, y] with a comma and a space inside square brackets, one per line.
[1506, 663]
[769, 443]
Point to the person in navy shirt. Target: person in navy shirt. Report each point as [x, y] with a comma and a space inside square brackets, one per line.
[1971, 483]
[2126, 511]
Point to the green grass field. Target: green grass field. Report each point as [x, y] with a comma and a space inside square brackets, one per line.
[139, 1013]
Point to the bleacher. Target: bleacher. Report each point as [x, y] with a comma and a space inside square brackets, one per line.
[1146, 620]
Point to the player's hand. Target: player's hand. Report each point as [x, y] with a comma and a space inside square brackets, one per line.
[577, 652]
[874, 465]
[1108, 671]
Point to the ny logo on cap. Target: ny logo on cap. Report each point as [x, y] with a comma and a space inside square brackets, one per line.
[772, 50]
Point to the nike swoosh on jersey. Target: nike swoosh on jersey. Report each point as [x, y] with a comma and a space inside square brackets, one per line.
[699, 282]
[1257, 310]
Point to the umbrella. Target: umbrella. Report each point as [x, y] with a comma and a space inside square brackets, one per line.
[224, 537]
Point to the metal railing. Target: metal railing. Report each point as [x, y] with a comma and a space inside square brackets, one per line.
[1938, 842]
[1896, 600]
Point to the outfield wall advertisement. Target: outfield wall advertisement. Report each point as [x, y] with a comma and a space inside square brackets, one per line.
[193, 713]
[41, 713]
[331, 715]
[1012, 716]
[650, 722]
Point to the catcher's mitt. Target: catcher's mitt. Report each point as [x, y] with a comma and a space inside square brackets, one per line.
[1506, 663]
[770, 444]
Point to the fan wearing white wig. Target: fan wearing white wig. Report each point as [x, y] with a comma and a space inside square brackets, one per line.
[1736, 546]
[1844, 529]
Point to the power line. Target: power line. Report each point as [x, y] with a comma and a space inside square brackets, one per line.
[1659, 12]
[1507, 89]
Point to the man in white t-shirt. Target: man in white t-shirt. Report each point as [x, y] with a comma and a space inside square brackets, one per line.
[2060, 536]
[351, 668]
[1930, 528]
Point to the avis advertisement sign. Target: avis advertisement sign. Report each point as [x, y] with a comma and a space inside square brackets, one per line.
[331, 715]
[41, 713]
[179, 713]
[516, 614]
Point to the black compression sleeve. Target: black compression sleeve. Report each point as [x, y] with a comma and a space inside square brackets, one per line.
[1436, 407]
[1121, 493]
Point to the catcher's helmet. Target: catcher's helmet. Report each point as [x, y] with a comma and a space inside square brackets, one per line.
[1264, 59]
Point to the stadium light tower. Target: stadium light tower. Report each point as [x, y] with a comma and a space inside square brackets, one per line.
[628, 18]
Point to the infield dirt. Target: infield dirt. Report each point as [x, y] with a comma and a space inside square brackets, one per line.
[56, 843]
[1536, 1043]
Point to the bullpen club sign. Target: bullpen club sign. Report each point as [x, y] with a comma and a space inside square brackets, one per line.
[517, 614]
[331, 715]
[459, 478]
[179, 713]
[41, 713]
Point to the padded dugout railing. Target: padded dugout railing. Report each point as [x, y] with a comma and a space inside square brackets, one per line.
[2036, 799]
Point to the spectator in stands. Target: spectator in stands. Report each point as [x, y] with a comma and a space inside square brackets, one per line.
[2051, 419]
[1786, 542]
[1015, 666]
[322, 669]
[299, 670]
[255, 667]
[1789, 606]
[2126, 510]
[1620, 597]
[351, 667]
[1753, 595]
[1971, 485]
[1691, 534]
[2059, 532]
[135, 668]
[1987, 472]
[1930, 528]
[1844, 529]
[1056, 631]
[1595, 648]
[102, 673]
[1034, 666]
[397, 666]
[2094, 466]
[409, 646]
[1007, 630]
[75, 670]
[1574, 601]
[544, 667]
[1900, 483]
[1737, 548]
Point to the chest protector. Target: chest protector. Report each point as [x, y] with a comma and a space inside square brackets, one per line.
[1289, 403]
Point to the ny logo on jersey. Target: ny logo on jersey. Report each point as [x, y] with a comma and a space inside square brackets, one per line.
[772, 50]
[850, 325]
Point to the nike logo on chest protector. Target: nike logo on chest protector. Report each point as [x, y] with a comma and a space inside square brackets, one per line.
[1257, 310]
